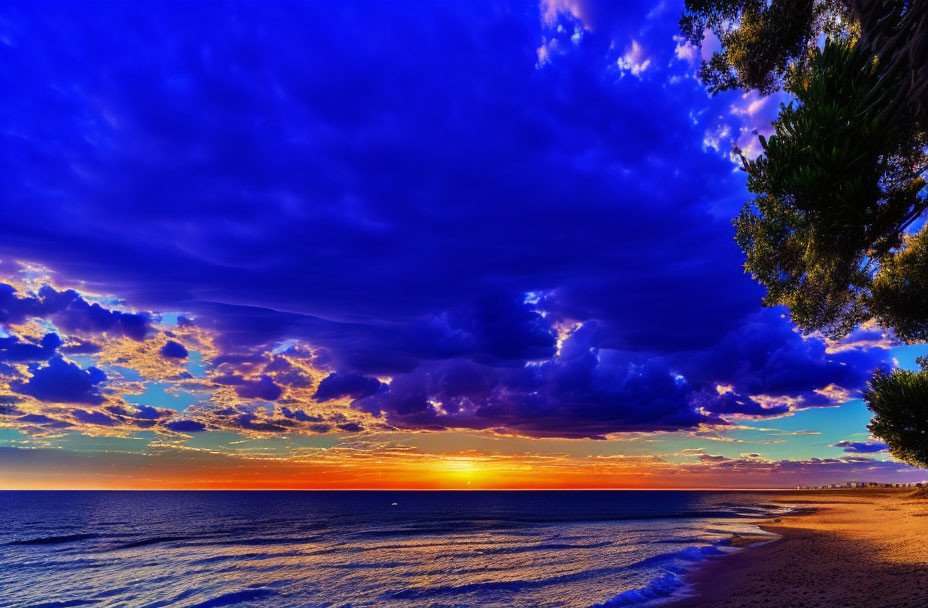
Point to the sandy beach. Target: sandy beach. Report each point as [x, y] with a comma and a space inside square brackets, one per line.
[856, 548]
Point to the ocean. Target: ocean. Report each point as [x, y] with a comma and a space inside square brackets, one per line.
[531, 549]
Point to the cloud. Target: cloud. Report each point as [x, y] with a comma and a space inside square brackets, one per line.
[263, 388]
[246, 216]
[635, 60]
[273, 205]
[730, 403]
[584, 392]
[767, 356]
[63, 382]
[69, 312]
[713, 459]
[299, 415]
[97, 418]
[356, 386]
[862, 447]
[15, 349]
[42, 421]
[173, 350]
[186, 426]
[685, 51]
[77, 346]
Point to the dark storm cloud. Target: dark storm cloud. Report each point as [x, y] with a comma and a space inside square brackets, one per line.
[585, 392]
[263, 388]
[299, 415]
[411, 191]
[287, 179]
[766, 355]
[62, 381]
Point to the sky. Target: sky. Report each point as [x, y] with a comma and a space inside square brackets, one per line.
[395, 245]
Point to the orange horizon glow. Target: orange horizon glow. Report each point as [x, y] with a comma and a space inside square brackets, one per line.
[396, 472]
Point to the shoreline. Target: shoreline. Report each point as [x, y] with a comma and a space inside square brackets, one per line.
[849, 548]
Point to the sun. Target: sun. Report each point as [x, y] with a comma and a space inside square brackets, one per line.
[461, 471]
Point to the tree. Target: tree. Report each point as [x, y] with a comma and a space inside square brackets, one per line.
[897, 32]
[762, 39]
[759, 40]
[899, 402]
[900, 291]
[842, 179]
[838, 183]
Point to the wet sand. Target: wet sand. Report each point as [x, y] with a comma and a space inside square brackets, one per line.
[865, 548]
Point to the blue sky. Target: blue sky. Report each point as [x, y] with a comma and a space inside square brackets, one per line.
[382, 223]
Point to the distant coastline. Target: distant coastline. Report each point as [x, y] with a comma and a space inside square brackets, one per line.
[860, 485]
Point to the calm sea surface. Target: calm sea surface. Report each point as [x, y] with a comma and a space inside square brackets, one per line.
[354, 549]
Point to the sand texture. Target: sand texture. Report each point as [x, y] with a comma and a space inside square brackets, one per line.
[865, 548]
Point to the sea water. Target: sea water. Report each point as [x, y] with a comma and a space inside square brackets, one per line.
[544, 549]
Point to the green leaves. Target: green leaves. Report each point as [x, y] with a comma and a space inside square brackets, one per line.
[835, 190]
[760, 39]
[900, 291]
[899, 402]
[841, 178]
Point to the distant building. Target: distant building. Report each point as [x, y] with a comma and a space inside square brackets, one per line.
[865, 484]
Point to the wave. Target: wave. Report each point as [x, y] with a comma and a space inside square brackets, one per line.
[661, 587]
[263, 555]
[509, 585]
[665, 584]
[369, 565]
[669, 582]
[262, 540]
[53, 540]
[236, 597]
[495, 551]
[691, 554]
[546, 547]
[64, 604]
[152, 541]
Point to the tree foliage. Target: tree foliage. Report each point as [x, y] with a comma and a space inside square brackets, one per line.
[897, 32]
[842, 179]
[762, 39]
[837, 183]
[899, 402]
[759, 39]
[900, 291]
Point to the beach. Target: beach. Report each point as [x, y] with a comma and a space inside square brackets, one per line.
[866, 547]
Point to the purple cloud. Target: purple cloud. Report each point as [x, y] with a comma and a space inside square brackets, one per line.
[63, 382]
[15, 349]
[70, 312]
[730, 403]
[264, 388]
[97, 418]
[186, 426]
[334, 212]
[173, 350]
[356, 386]
[862, 447]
